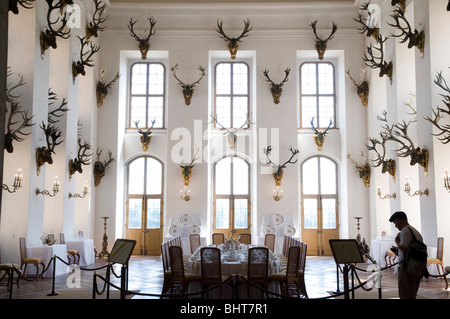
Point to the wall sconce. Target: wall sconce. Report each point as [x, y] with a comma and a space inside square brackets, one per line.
[418, 192]
[446, 181]
[385, 196]
[186, 195]
[277, 194]
[17, 183]
[85, 191]
[46, 192]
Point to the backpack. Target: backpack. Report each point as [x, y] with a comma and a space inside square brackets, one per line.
[416, 258]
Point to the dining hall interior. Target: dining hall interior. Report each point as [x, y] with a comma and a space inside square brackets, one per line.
[279, 126]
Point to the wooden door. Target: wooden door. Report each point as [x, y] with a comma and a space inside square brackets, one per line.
[231, 216]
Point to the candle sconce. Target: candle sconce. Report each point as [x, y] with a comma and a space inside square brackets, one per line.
[186, 195]
[46, 192]
[17, 183]
[446, 181]
[85, 191]
[418, 192]
[277, 194]
[385, 196]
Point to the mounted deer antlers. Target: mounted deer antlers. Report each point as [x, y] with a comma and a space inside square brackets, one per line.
[400, 3]
[233, 43]
[363, 169]
[145, 135]
[188, 89]
[186, 170]
[85, 58]
[44, 154]
[371, 29]
[276, 89]
[59, 111]
[144, 43]
[75, 165]
[94, 26]
[371, 60]
[103, 87]
[416, 38]
[279, 169]
[100, 166]
[319, 138]
[321, 44]
[387, 165]
[444, 135]
[14, 5]
[48, 38]
[231, 133]
[362, 88]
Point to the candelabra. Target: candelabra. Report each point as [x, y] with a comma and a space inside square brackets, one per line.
[418, 192]
[17, 183]
[186, 195]
[104, 253]
[85, 191]
[46, 192]
[385, 196]
[277, 194]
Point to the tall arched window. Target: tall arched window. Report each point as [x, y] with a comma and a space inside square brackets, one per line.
[317, 94]
[145, 204]
[147, 94]
[319, 194]
[231, 196]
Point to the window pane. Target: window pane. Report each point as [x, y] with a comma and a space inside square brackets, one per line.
[329, 213]
[139, 79]
[223, 111]
[309, 110]
[223, 78]
[136, 177]
[138, 111]
[240, 177]
[240, 78]
[308, 78]
[310, 174]
[310, 213]
[134, 213]
[326, 112]
[156, 79]
[241, 213]
[223, 177]
[153, 213]
[222, 213]
[327, 176]
[326, 78]
[155, 106]
[154, 177]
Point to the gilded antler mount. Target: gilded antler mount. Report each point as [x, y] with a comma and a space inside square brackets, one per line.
[321, 44]
[279, 168]
[144, 43]
[233, 43]
[188, 89]
[275, 88]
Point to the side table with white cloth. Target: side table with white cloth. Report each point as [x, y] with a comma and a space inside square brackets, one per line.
[85, 248]
[379, 247]
[278, 224]
[46, 253]
[184, 225]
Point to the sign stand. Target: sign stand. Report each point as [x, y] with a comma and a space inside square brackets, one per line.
[120, 254]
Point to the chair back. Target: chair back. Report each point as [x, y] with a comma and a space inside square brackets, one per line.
[245, 238]
[440, 248]
[165, 256]
[62, 238]
[293, 262]
[218, 238]
[194, 241]
[176, 263]
[211, 270]
[269, 242]
[258, 265]
[303, 258]
[23, 248]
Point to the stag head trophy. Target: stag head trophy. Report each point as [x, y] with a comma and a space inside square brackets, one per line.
[279, 169]
[444, 129]
[44, 153]
[416, 38]
[103, 87]
[400, 3]
[319, 138]
[100, 166]
[321, 44]
[144, 43]
[362, 88]
[85, 58]
[186, 170]
[188, 89]
[231, 133]
[233, 43]
[276, 89]
[48, 38]
[83, 158]
[145, 135]
[375, 62]
[94, 27]
[370, 28]
[14, 5]
[363, 169]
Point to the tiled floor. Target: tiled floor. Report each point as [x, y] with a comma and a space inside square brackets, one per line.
[146, 276]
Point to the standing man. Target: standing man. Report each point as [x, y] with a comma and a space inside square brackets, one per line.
[408, 285]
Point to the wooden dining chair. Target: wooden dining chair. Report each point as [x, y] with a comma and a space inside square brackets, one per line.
[439, 257]
[245, 238]
[289, 280]
[258, 268]
[194, 240]
[269, 242]
[74, 253]
[166, 267]
[302, 268]
[8, 268]
[218, 238]
[211, 269]
[180, 280]
[25, 260]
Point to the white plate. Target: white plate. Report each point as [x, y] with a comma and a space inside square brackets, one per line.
[175, 230]
[278, 219]
[289, 230]
[185, 219]
[268, 229]
[194, 230]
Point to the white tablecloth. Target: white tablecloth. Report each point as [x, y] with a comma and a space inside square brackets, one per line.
[378, 249]
[46, 253]
[186, 243]
[85, 248]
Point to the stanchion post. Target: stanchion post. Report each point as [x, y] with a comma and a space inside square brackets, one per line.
[53, 292]
[345, 271]
[11, 279]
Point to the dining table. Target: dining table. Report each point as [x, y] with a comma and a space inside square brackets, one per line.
[47, 252]
[85, 248]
